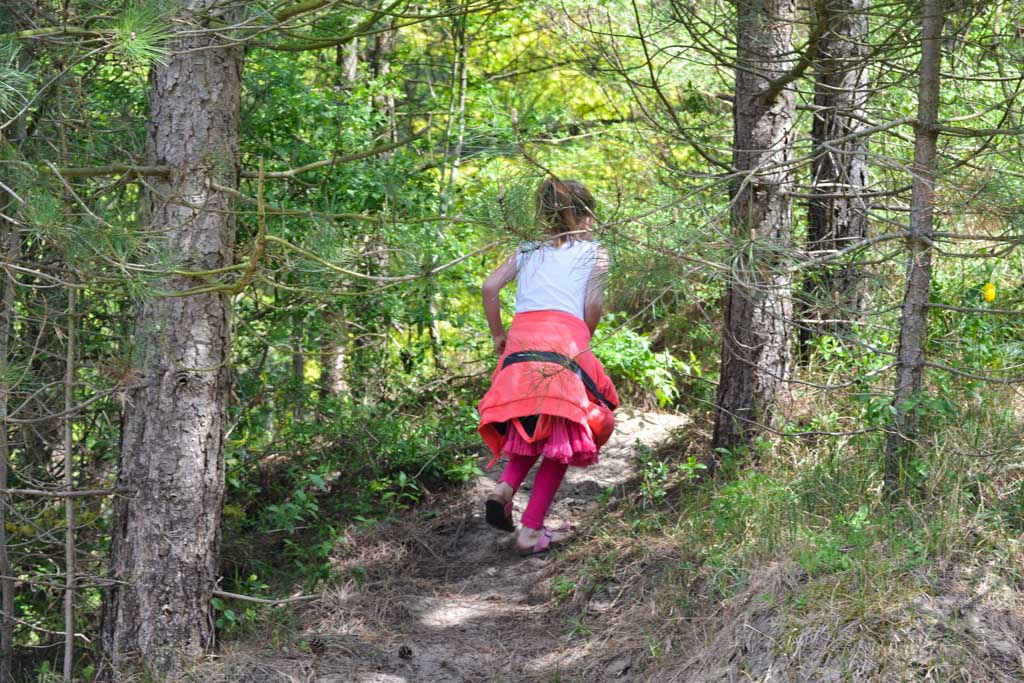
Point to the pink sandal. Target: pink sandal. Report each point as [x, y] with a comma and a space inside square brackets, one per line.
[543, 543]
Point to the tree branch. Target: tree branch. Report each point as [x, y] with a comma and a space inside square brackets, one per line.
[977, 133]
[111, 169]
[291, 173]
[265, 601]
[391, 279]
[807, 56]
[301, 8]
[970, 309]
[41, 493]
[364, 27]
[164, 171]
[29, 34]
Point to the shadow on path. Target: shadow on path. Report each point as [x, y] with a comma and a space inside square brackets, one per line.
[448, 599]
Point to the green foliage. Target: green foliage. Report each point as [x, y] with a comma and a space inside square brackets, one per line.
[355, 462]
[629, 360]
[227, 619]
[563, 588]
[15, 83]
[658, 475]
[140, 31]
[46, 674]
[306, 462]
[654, 474]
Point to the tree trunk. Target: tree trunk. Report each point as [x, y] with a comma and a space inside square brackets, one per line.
[9, 240]
[838, 216]
[333, 354]
[378, 59]
[456, 120]
[10, 247]
[347, 57]
[298, 365]
[434, 329]
[914, 317]
[69, 485]
[755, 337]
[166, 534]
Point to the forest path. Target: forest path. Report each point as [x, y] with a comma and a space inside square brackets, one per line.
[445, 598]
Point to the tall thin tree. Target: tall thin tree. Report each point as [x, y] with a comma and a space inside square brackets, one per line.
[166, 533]
[910, 360]
[758, 308]
[837, 214]
[9, 248]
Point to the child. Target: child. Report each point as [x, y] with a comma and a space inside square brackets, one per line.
[549, 395]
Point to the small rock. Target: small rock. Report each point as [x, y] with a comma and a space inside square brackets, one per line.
[405, 652]
[619, 666]
[1006, 648]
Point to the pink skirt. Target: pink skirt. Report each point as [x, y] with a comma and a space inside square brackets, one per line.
[568, 443]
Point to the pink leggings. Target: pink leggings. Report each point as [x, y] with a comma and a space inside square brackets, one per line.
[545, 484]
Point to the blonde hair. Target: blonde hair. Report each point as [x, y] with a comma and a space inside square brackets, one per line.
[562, 206]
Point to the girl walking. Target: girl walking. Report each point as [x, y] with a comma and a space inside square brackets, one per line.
[549, 398]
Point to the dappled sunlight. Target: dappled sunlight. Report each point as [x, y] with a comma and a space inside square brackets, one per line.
[447, 613]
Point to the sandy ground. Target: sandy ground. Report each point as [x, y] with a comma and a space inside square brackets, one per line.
[438, 596]
[449, 600]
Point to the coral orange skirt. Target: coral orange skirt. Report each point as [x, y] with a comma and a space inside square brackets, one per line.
[549, 393]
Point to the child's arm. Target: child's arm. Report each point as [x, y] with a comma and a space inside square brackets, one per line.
[501, 276]
[593, 303]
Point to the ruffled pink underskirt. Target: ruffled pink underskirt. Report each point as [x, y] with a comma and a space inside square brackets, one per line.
[568, 443]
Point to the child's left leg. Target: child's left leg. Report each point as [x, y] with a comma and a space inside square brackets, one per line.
[498, 508]
[545, 485]
[532, 536]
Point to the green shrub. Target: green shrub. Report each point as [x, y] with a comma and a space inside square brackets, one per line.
[638, 371]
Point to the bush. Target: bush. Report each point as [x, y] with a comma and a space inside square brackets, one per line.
[640, 373]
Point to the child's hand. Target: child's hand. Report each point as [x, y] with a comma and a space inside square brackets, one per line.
[499, 343]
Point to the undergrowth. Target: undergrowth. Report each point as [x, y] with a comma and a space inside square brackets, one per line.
[805, 547]
[290, 501]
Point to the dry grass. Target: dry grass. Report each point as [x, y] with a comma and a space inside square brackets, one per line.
[793, 571]
[931, 593]
[931, 624]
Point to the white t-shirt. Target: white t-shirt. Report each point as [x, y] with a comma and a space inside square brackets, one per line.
[554, 278]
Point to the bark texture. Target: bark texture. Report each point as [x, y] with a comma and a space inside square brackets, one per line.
[837, 216]
[347, 57]
[334, 352]
[298, 363]
[914, 315]
[10, 247]
[758, 307]
[378, 58]
[166, 534]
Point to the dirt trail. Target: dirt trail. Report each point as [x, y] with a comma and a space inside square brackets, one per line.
[448, 599]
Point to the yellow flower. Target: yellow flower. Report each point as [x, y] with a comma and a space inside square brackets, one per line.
[989, 291]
